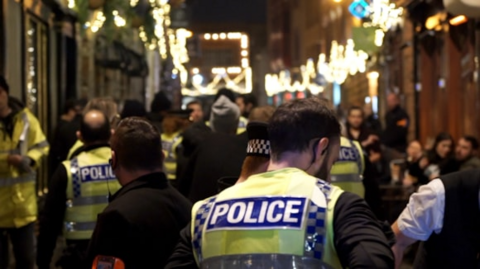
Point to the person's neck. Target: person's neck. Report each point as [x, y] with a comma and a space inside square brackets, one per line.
[289, 160]
[5, 112]
[96, 143]
[130, 176]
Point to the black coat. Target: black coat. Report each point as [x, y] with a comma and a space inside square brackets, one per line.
[219, 155]
[141, 224]
[396, 130]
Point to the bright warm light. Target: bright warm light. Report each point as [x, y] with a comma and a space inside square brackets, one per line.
[245, 63]
[234, 35]
[71, 4]
[373, 75]
[151, 46]
[244, 53]
[94, 29]
[218, 70]
[188, 34]
[115, 12]
[244, 42]
[458, 20]
[215, 36]
[87, 24]
[133, 3]
[195, 70]
[119, 21]
[432, 22]
[234, 70]
[223, 36]
[337, 1]
[207, 36]
[379, 36]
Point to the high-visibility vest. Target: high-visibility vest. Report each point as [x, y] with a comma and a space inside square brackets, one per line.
[278, 219]
[170, 144]
[78, 144]
[347, 172]
[18, 195]
[90, 182]
[242, 125]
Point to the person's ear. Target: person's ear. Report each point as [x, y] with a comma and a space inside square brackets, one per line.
[113, 161]
[320, 150]
[79, 136]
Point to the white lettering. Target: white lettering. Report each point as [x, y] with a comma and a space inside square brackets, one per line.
[101, 174]
[220, 210]
[271, 209]
[263, 212]
[248, 215]
[94, 173]
[289, 210]
[85, 173]
[242, 207]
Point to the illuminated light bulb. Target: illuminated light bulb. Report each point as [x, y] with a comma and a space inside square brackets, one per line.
[234, 35]
[195, 70]
[87, 24]
[71, 4]
[244, 53]
[215, 36]
[207, 36]
[115, 13]
[94, 28]
[223, 36]
[133, 3]
[244, 63]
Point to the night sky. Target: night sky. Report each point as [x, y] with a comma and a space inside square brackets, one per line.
[229, 11]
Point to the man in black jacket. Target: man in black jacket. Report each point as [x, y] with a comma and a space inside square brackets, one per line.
[445, 214]
[397, 121]
[141, 224]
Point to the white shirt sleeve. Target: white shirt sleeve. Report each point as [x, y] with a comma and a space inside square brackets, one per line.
[424, 212]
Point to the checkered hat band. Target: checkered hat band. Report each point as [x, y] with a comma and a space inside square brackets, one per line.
[258, 147]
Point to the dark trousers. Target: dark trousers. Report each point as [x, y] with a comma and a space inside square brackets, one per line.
[23, 242]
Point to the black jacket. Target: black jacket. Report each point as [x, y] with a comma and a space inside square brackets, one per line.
[219, 155]
[458, 244]
[141, 224]
[360, 240]
[396, 131]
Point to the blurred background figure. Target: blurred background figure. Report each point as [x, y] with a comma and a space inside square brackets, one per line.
[197, 111]
[159, 109]
[246, 102]
[465, 153]
[133, 108]
[371, 120]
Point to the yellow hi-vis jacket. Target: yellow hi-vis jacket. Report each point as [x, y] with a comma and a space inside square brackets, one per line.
[18, 196]
[169, 147]
[347, 172]
[90, 181]
[78, 144]
[279, 219]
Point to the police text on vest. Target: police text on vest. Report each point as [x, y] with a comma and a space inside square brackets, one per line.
[96, 173]
[347, 154]
[258, 213]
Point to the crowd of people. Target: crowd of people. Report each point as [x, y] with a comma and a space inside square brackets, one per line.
[235, 185]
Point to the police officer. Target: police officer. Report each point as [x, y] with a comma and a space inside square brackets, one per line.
[106, 105]
[172, 126]
[347, 172]
[445, 214]
[22, 146]
[78, 192]
[285, 218]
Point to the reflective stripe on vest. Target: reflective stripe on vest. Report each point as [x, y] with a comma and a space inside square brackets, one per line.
[10, 181]
[81, 201]
[79, 226]
[346, 178]
[315, 233]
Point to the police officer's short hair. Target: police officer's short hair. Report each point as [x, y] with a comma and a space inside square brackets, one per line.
[95, 133]
[294, 124]
[137, 145]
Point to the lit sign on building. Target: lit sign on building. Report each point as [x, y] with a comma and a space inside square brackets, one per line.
[359, 9]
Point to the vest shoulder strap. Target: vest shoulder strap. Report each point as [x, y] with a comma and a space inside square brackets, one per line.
[199, 219]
